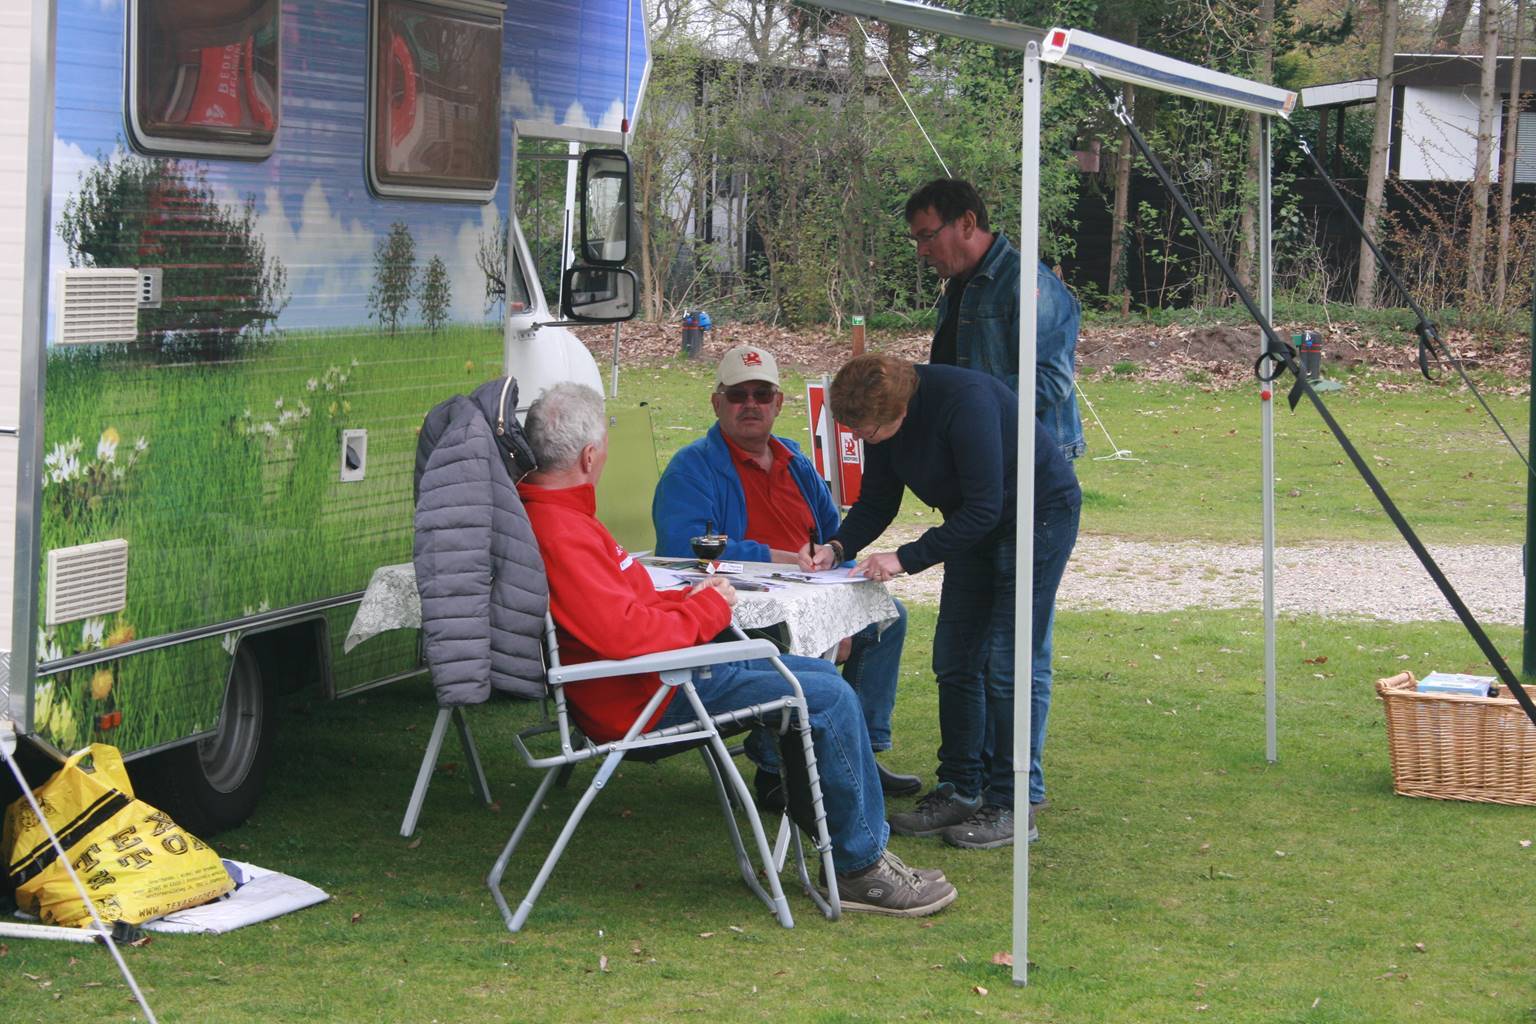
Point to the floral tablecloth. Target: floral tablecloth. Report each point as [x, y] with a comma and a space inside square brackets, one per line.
[817, 617]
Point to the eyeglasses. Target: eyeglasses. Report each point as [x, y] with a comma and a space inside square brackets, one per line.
[763, 394]
[922, 238]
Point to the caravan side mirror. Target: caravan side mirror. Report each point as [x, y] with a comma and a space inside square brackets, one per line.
[599, 295]
[605, 208]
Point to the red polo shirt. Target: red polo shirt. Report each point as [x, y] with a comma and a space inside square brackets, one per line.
[777, 513]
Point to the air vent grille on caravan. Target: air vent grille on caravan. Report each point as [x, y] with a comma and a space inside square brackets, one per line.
[90, 579]
[97, 306]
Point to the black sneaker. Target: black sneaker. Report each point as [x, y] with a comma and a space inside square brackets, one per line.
[987, 829]
[939, 808]
[890, 887]
[769, 788]
[894, 784]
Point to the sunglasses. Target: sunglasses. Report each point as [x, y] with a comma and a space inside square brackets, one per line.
[763, 394]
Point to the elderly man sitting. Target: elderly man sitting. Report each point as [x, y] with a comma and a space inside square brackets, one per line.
[605, 606]
[762, 493]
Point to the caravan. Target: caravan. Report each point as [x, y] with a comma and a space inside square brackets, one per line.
[244, 248]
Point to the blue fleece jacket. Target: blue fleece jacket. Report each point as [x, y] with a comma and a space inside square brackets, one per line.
[701, 486]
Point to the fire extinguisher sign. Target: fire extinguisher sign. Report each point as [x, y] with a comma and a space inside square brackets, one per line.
[844, 472]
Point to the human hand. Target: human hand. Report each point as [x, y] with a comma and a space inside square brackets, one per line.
[844, 648]
[780, 555]
[882, 566]
[720, 585]
[823, 556]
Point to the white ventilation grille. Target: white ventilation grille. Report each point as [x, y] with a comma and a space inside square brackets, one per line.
[98, 306]
[90, 579]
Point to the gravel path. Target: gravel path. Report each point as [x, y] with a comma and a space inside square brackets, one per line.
[1375, 580]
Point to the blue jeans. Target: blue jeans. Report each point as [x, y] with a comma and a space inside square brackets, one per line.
[850, 784]
[1055, 536]
[973, 664]
[973, 659]
[872, 669]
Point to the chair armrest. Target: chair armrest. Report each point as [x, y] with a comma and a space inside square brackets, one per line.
[663, 661]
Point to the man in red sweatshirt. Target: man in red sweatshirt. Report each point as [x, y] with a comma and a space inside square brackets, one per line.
[605, 606]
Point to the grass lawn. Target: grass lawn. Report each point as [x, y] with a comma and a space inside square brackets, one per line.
[1434, 449]
[1179, 877]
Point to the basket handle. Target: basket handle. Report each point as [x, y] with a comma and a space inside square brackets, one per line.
[1391, 684]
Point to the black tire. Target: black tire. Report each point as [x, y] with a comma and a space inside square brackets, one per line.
[215, 783]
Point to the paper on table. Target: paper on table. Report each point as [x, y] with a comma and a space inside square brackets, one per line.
[823, 576]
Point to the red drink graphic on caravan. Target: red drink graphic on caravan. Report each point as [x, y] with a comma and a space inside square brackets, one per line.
[844, 472]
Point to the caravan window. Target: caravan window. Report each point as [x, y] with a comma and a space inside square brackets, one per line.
[434, 130]
[203, 76]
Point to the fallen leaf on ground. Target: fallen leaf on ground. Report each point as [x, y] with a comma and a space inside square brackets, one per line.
[1003, 959]
[706, 935]
[413, 843]
[979, 990]
[602, 964]
[357, 917]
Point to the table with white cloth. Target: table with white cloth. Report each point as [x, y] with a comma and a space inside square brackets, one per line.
[816, 617]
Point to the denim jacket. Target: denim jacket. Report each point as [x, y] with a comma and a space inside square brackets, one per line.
[987, 338]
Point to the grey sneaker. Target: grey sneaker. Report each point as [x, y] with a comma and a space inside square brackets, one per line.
[922, 874]
[939, 808]
[890, 887]
[988, 828]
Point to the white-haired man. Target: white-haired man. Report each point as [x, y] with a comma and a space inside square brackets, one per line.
[605, 606]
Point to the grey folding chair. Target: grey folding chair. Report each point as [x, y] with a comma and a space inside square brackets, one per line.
[477, 781]
[703, 732]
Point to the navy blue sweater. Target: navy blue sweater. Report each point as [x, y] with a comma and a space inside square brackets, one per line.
[957, 450]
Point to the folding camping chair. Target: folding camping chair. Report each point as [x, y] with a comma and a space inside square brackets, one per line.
[703, 733]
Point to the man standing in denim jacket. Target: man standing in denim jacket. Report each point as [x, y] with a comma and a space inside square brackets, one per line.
[978, 327]
[979, 309]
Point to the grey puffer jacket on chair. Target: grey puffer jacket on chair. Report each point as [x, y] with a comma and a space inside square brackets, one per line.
[478, 568]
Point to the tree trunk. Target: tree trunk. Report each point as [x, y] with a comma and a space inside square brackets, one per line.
[1118, 227]
[1248, 219]
[1452, 20]
[899, 45]
[1381, 141]
[1118, 284]
[1507, 166]
[1482, 175]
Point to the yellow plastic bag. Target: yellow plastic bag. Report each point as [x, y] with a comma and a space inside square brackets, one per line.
[136, 862]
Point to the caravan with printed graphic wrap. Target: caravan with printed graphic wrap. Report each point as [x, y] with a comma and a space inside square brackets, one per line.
[242, 253]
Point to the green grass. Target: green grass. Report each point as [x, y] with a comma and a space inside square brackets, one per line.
[1180, 877]
[1434, 449]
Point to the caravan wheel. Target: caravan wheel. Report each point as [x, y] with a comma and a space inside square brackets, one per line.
[213, 784]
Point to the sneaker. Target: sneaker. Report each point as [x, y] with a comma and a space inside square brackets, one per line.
[939, 808]
[988, 828]
[894, 784]
[1034, 833]
[769, 789]
[921, 874]
[890, 887]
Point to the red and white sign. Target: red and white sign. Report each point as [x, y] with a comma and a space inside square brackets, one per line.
[845, 474]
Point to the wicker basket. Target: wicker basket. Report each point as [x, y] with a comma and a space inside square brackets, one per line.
[1458, 748]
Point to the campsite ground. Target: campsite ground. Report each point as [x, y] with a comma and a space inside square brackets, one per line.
[1179, 877]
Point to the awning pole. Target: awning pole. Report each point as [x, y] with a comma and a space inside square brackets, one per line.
[1024, 517]
[1267, 442]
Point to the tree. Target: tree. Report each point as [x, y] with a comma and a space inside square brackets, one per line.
[1482, 174]
[435, 294]
[219, 285]
[1507, 167]
[1381, 141]
[491, 258]
[394, 276]
[1452, 20]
